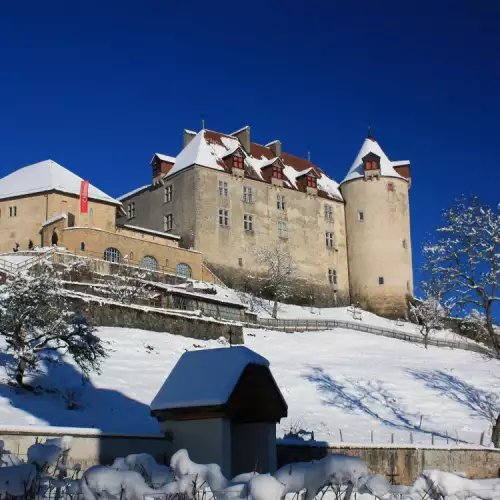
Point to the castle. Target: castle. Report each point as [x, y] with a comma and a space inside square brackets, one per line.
[227, 197]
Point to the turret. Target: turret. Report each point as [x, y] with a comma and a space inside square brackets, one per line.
[377, 214]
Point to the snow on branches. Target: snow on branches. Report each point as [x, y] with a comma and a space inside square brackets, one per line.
[430, 316]
[37, 323]
[464, 258]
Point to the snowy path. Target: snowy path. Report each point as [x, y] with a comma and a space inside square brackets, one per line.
[331, 380]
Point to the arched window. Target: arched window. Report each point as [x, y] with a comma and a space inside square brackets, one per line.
[183, 270]
[82, 246]
[149, 262]
[112, 255]
[55, 238]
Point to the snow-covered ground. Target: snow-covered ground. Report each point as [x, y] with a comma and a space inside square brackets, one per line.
[333, 381]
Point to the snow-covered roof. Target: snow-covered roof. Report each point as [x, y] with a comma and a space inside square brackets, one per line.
[47, 176]
[150, 231]
[205, 377]
[169, 159]
[386, 166]
[134, 191]
[209, 148]
[54, 219]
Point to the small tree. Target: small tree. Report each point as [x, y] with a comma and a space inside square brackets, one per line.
[429, 314]
[279, 272]
[36, 322]
[465, 259]
[128, 286]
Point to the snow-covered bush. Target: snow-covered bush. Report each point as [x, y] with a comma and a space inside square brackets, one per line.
[37, 323]
[429, 314]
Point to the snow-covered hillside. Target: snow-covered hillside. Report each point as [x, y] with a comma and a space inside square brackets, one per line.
[332, 381]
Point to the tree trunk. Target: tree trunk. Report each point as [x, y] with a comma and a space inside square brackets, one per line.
[495, 434]
[495, 341]
[20, 371]
[426, 341]
[275, 309]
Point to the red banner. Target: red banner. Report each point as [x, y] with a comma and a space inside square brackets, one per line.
[84, 197]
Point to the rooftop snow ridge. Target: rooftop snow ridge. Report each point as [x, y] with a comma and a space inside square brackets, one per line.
[134, 191]
[271, 143]
[167, 158]
[239, 130]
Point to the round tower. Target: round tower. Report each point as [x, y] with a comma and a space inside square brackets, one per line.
[377, 214]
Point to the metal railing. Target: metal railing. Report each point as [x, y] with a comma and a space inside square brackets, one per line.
[34, 257]
[301, 325]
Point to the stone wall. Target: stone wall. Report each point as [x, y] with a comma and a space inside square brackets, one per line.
[89, 446]
[404, 464]
[146, 318]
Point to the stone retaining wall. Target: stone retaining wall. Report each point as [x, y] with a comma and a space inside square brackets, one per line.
[402, 465]
[103, 313]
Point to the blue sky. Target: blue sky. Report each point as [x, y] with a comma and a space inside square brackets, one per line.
[101, 86]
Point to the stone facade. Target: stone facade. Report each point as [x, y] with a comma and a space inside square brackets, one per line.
[21, 218]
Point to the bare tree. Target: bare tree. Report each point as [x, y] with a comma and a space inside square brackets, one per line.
[37, 322]
[429, 313]
[465, 259]
[279, 272]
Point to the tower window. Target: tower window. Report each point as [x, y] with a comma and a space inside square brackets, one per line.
[240, 261]
[405, 244]
[390, 187]
[381, 280]
[12, 211]
[311, 181]
[247, 194]
[237, 161]
[277, 172]
[131, 210]
[328, 212]
[332, 276]
[361, 215]
[82, 246]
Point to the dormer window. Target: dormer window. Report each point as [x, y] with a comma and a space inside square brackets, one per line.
[312, 182]
[237, 161]
[277, 172]
[371, 162]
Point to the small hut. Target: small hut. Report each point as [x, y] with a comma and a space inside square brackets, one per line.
[222, 405]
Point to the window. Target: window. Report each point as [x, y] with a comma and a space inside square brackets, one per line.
[91, 212]
[381, 280]
[311, 181]
[361, 215]
[168, 222]
[183, 270]
[329, 239]
[237, 161]
[168, 193]
[131, 210]
[405, 244]
[149, 262]
[82, 246]
[247, 194]
[12, 211]
[282, 229]
[390, 187]
[277, 172]
[328, 212]
[280, 202]
[248, 222]
[112, 255]
[240, 261]
[332, 276]
[223, 217]
[223, 189]
[156, 171]
[371, 165]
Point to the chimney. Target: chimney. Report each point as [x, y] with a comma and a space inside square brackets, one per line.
[243, 135]
[275, 147]
[189, 135]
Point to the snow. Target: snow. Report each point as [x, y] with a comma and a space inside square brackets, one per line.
[16, 480]
[54, 219]
[47, 176]
[151, 231]
[169, 159]
[329, 186]
[400, 163]
[134, 191]
[340, 379]
[240, 130]
[386, 166]
[195, 382]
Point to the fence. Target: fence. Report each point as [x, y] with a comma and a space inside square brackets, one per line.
[301, 325]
